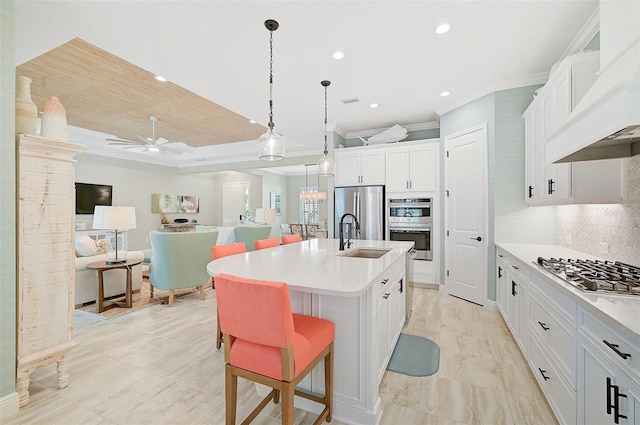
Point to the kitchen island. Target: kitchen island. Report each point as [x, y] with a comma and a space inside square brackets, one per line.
[364, 297]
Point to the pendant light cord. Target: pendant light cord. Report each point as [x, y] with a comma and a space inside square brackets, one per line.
[325, 120]
[271, 125]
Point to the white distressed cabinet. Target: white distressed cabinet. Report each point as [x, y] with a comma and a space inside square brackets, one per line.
[581, 182]
[46, 275]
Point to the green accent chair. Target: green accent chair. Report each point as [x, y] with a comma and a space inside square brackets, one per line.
[179, 260]
[250, 234]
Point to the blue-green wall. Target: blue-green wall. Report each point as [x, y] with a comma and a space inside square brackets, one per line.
[509, 219]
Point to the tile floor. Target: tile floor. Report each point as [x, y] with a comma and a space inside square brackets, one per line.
[159, 366]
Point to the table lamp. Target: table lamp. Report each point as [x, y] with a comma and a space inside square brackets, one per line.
[265, 215]
[116, 221]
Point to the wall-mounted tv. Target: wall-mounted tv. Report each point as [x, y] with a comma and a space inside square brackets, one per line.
[89, 195]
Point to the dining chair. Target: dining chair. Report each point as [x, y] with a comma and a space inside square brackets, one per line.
[287, 239]
[311, 230]
[297, 229]
[219, 251]
[250, 233]
[267, 243]
[265, 342]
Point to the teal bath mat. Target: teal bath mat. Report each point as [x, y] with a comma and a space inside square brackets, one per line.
[415, 356]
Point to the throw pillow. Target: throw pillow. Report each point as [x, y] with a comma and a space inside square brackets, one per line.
[86, 247]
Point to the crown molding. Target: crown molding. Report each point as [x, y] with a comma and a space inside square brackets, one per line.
[584, 36]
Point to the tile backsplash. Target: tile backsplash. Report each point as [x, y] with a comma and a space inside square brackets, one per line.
[589, 227]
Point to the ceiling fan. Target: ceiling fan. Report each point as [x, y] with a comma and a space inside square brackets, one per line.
[153, 145]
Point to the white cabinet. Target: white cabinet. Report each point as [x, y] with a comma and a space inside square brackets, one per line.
[412, 169]
[391, 300]
[547, 184]
[358, 167]
[609, 373]
[512, 296]
[45, 257]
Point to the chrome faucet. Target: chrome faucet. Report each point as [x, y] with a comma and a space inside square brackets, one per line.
[342, 233]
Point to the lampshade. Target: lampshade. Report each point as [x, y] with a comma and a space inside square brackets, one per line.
[265, 215]
[271, 144]
[114, 218]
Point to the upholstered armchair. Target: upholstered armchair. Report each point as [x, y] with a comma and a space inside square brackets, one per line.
[250, 234]
[179, 260]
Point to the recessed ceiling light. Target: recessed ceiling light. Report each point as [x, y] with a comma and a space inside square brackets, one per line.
[373, 105]
[338, 55]
[445, 93]
[160, 78]
[442, 28]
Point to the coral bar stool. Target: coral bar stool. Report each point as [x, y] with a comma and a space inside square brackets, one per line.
[219, 251]
[287, 239]
[266, 343]
[267, 243]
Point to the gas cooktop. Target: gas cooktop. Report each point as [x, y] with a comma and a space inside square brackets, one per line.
[595, 275]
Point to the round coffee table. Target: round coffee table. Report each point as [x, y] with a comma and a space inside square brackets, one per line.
[101, 267]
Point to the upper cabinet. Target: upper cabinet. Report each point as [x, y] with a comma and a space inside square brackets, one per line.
[547, 184]
[402, 167]
[412, 168]
[359, 167]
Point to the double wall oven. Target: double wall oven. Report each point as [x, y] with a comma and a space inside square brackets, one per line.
[410, 219]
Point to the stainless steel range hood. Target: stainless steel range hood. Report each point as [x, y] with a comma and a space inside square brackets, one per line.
[606, 122]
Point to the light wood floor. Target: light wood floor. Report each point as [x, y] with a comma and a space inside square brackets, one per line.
[159, 366]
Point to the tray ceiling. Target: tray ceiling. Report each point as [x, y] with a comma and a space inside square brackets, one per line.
[105, 93]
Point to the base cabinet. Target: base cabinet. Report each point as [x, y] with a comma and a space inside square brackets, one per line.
[391, 316]
[608, 395]
[587, 364]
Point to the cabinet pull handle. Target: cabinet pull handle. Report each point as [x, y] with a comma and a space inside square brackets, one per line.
[616, 401]
[530, 191]
[550, 188]
[385, 296]
[499, 272]
[614, 347]
[513, 288]
[500, 255]
[542, 372]
[516, 267]
[543, 325]
[384, 281]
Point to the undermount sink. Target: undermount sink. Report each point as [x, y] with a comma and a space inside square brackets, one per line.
[365, 253]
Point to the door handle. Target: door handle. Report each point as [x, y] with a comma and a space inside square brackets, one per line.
[479, 239]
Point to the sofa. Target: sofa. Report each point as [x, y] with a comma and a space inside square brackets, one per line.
[114, 280]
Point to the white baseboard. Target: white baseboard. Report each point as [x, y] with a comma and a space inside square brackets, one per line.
[9, 405]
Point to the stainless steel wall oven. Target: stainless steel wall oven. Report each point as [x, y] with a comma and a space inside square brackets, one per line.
[410, 219]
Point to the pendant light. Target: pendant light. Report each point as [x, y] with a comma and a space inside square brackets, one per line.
[271, 144]
[325, 164]
[311, 196]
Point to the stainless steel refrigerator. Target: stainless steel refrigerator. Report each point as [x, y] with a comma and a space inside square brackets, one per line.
[367, 204]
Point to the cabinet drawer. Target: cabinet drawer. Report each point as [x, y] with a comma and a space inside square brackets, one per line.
[562, 304]
[616, 346]
[558, 335]
[516, 268]
[560, 395]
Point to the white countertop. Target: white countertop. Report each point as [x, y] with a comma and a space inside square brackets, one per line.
[313, 265]
[625, 310]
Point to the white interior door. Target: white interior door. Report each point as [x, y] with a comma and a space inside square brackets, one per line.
[466, 214]
[234, 201]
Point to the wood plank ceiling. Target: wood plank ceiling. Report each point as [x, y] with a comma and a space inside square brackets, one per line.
[105, 93]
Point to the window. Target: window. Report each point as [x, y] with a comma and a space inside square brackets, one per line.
[308, 207]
